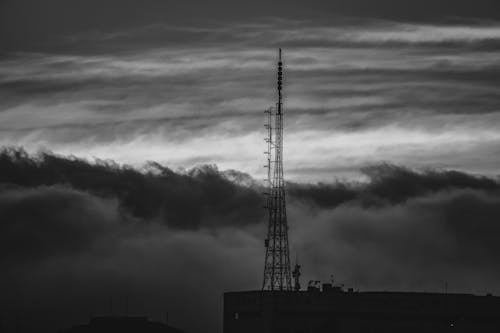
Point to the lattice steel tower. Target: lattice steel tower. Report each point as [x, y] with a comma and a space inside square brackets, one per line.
[277, 275]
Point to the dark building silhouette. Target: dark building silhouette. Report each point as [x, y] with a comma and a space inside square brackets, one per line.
[122, 324]
[333, 310]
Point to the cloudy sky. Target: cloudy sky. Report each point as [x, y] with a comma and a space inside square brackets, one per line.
[391, 132]
[187, 84]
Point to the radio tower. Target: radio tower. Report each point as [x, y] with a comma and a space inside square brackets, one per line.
[277, 266]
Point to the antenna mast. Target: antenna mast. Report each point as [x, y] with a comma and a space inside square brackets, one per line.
[277, 265]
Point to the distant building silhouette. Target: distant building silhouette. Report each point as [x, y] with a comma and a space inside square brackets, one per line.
[122, 324]
[332, 310]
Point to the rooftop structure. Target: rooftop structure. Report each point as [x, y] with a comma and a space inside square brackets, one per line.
[333, 310]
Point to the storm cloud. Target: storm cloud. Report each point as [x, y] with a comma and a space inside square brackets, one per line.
[188, 200]
[175, 240]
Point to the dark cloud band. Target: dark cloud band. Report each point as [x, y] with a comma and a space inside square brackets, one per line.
[134, 232]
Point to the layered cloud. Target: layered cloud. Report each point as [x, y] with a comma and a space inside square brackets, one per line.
[357, 91]
[79, 237]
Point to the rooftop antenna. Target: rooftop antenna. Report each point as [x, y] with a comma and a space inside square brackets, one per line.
[296, 274]
[277, 262]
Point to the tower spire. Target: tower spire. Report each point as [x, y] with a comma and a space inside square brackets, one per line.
[277, 275]
[280, 82]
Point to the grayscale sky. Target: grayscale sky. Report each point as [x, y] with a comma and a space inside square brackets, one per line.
[186, 83]
[392, 148]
